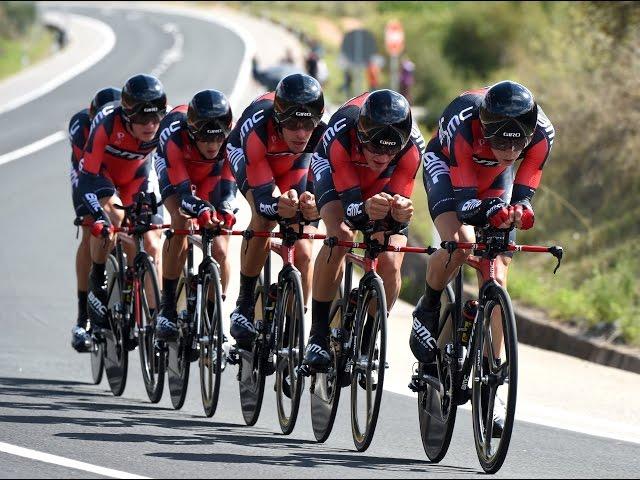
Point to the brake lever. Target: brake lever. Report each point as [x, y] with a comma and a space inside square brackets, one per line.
[331, 243]
[558, 253]
[247, 235]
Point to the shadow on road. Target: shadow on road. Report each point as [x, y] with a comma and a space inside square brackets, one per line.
[67, 402]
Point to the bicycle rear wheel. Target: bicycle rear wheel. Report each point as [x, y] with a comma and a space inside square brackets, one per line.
[252, 363]
[437, 410]
[290, 352]
[326, 387]
[116, 357]
[211, 337]
[500, 377]
[369, 364]
[146, 306]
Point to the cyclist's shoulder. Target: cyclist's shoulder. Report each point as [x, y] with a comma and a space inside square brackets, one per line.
[544, 129]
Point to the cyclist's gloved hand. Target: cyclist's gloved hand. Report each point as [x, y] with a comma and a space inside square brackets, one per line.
[498, 214]
[101, 227]
[226, 218]
[523, 216]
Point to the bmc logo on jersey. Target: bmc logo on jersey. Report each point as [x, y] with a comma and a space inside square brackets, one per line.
[267, 209]
[319, 165]
[92, 198]
[354, 209]
[331, 131]
[123, 153]
[167, 131]
[250, 122]
[445, 134]
[471, 204]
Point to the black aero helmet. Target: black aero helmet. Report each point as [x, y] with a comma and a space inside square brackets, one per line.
[298, 97]
[142, 96]
[209, 115]
[384, 123]
[101, 98]
[508, 114]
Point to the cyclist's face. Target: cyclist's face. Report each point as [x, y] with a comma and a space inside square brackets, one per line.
[210, 150]
[506, 157]
[297, 138]
[145, 131]
[376, 161]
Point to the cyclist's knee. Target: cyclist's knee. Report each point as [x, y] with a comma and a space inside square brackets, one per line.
[389, 265]
[502, 268]
[260, 223]
[302, 257]
[219, 252]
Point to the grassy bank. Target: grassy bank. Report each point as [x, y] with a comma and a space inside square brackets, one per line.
[21, 52]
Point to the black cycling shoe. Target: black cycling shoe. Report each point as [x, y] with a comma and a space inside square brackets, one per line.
[166, 327]
[317, 353]
[423, 339]
[80, 339]
[242, 328]
[97, 304]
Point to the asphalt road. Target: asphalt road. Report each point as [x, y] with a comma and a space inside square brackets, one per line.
[46, 402]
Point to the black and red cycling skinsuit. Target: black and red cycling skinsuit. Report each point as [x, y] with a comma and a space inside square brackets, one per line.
[114, 160]
[182, 169]
[460, 169]
[341, 171]
[261, 160]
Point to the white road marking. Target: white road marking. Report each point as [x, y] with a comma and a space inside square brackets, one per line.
[99, 28]
[64, 462]
[33, 147]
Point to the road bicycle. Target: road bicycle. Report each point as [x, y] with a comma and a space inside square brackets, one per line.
[474, 359]
[358, 343]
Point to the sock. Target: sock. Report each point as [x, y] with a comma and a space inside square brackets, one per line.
[97, 273]
[247, 287]
[431, 298]
[320, 318]
[82, 309]
[169, 291]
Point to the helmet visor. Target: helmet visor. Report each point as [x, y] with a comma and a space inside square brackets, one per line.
[383, 141]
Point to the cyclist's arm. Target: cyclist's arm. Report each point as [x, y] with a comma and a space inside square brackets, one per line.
[90, 165]
[347, 184]
[228, 185]
[260, 176]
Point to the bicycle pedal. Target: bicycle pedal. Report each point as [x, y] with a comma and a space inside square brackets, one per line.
[233, 357]
[305, 370]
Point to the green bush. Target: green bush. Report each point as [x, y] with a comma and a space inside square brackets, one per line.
[16, 18]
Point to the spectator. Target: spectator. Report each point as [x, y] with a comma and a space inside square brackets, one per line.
[373, 75]
[407, 79]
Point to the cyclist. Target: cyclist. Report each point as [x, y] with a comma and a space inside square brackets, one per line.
[364, 169]
[194, 178]
[471, 180]
[269, 150]
[116, 166]
[103, 102]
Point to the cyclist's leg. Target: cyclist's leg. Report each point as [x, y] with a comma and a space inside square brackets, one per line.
[302, 261]
[389, 264]
[79, 336]
[219, 251]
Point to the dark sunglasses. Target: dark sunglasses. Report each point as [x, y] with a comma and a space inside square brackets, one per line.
[294, 123]
[378, 149]
[144, 118]
[505, 143]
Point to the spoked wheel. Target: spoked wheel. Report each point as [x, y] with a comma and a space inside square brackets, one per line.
[325, 387]
[211, 338]
[437, 408]
[146, 306]
[116, 358]
[495, 382]
[177, 350]
[369, 364]
[290, 352]
[97, 357]
[252, 364]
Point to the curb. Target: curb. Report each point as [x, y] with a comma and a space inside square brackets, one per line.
[534, 328]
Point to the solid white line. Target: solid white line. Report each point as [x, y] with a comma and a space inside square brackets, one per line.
[101, 29]
[33, 147]
[65, 462]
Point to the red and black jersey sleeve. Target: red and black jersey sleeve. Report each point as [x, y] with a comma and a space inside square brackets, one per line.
[536, 155]
[94, 151]
[79, 127]
[170, 148]
[404, 175]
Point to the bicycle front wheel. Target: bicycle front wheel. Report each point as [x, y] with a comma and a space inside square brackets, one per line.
[369, 363]
[146, 306]
[494, 377]
[290, 351]
[210, 340]
[437, 409]
[116, 354]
